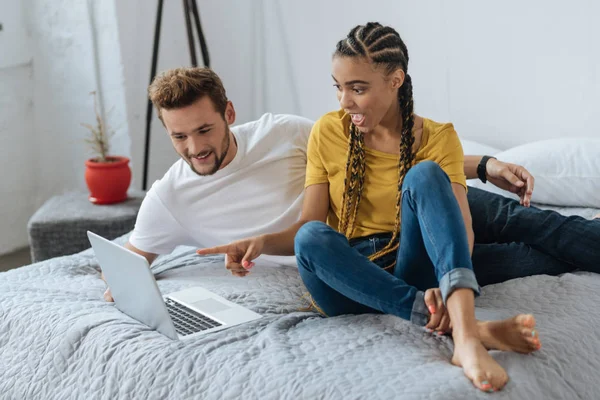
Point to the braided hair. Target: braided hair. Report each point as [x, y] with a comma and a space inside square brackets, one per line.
[382, 46]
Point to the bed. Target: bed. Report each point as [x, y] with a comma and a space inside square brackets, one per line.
[60, 340]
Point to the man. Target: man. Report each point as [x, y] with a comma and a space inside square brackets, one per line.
[246, 181]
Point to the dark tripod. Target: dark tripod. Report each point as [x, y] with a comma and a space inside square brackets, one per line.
[190, 11]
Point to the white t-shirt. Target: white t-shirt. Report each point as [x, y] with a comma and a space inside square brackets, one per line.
[260, 191]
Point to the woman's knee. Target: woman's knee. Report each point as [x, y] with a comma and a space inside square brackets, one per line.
[310, 235]
[425, 174]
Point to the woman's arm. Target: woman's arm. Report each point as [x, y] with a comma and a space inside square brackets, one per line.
[471, 163]
[239, 254]
[512, 177]
[314, 208]
[461, 196]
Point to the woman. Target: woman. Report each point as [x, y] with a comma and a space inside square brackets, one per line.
[376, 173]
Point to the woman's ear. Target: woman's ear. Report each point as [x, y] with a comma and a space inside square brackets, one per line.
[398, 78]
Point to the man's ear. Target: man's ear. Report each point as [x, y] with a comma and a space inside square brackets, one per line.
[229, 113]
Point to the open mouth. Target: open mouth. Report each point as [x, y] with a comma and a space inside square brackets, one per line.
[202, 156]
[357, 119]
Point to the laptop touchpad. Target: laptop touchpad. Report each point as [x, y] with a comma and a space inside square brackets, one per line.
[210, 306]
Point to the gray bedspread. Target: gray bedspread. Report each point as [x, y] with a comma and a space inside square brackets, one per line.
[60, 340]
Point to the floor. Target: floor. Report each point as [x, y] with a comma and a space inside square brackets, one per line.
[15, 259]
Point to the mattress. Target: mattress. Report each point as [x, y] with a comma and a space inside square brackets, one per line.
[60, 340]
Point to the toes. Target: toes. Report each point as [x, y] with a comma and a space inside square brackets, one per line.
[499, 380]
[483, 382]
[491, 383]
[530, 333]
[526, 320]
[534, 343]
[532, 338]
[485, 385]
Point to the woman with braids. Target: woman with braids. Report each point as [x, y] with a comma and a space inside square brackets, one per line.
[385, 218]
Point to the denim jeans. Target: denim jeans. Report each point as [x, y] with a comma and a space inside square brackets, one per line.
[433, 251]
[512, 241]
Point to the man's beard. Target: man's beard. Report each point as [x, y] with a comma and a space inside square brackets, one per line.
[218, 159]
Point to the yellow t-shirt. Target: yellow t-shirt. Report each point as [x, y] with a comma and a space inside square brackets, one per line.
[327, 155]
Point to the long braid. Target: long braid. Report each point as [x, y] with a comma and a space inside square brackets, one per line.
[354, 181]
[347, 198]
[405, 161]
[359, 170]
[380, 45]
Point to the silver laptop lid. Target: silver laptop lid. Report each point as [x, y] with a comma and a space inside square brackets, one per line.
[132, 285]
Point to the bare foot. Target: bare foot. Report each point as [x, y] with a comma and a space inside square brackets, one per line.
[478, 365]
[597, 216]
[512, 334]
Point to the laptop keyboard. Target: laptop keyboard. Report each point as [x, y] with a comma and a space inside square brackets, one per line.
[188, 321]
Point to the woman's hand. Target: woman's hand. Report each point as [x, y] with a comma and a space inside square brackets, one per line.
[238, 254]
[511, 177]
[440, 319]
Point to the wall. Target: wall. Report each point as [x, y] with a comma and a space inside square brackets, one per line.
[18, 155]
[502, 76]
[65, 72]
[69, 49]
[505, 73]
[228, 24]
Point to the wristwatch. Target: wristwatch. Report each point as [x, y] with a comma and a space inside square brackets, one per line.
[481, 168]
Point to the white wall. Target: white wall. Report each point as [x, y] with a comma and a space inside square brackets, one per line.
[18, 151]
[44, 101]
[224, 18]
[505, 73]
[64, 75]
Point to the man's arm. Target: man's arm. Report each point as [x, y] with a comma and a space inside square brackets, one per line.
[239, 254]
[149, 256]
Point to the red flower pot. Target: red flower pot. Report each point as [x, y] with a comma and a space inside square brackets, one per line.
[108, 181]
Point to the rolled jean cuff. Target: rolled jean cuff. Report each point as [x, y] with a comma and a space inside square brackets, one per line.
[420, 314]
[458, 278]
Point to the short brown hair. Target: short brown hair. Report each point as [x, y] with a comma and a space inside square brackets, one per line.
[181, 87]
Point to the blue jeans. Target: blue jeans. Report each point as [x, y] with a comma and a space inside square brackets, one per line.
[512, 241]
[433, 251]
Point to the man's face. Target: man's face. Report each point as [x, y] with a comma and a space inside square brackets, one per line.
[200, 135]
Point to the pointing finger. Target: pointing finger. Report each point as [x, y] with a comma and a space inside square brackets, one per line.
[214, 250]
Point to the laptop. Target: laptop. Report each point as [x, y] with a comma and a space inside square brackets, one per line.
[181, 315]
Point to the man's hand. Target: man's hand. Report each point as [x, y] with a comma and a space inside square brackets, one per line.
[439, 319]
[239, 254]
[511, 177]
[107, 293]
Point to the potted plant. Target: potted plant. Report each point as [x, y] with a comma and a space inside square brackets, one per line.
[107, 177]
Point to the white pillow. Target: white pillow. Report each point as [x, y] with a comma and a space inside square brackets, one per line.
[566, 171]
[471, 148]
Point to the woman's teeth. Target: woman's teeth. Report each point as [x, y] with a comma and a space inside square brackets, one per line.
[357, 118]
